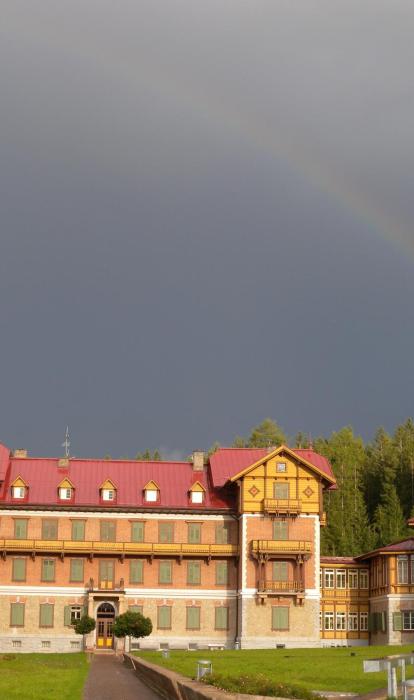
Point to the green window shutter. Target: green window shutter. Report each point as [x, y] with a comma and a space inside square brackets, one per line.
[397, 621]
[85, 610]
[194, 533]
[221, 618]
[67, 616]
[165, 533]
[76, 570]
[165, 572]
[136, 571]
[46, 615]
[223, 533]
[78, 530]
[137, 532]
[280, 530]
[280, 571]
[48, 570]
[383, 621]
[222, 573]
[193, 618]
[280, 618]
[108, 532]
[281, 490]
[17, 614]
[19, 570]
[49, 529]
[20, 529]
[136, 609]
[193, 572]
[164, 617]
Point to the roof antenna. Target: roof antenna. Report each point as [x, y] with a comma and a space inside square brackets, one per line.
[310, 441]
[66, 443]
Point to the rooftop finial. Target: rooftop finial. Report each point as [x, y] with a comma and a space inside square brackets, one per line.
[66, 443]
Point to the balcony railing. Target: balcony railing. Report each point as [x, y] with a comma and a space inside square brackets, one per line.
[282, 505]
[344, 593]
[119, 548]
[280, 587]
[281, 547]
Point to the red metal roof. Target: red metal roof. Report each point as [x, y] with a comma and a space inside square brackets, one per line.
[228, 461]
[4, 461]
[174, 479]
[338, 560]
[406, 545]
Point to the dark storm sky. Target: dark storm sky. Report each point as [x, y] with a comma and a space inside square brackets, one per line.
[206, 219]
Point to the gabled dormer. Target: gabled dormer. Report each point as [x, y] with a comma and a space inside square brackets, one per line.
[197, 494]
[66, 491]
[19, 489]
[151, 492]
[108, 492]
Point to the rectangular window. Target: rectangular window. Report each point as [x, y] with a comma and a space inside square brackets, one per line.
[20, 528]
[353, 621]
[222, 573]
[48, 569]
[19, 569]
[223, 533]
[340, 621]
[46, 615]
[49, 529]
[280, 530]
[280, 617]
[165, 533]
[136, 571]
[164, 617]
[76, 570]
[363, 578]
[165, 572]
[106, 573]
[281, 490]
[137, 531]
[193, 617]
[402, 569]
[280, 571]
[281, 467]
[78, 530]
[221, 618]
[194, 533]
[108, 531]
[71, 614]
[329, 579]
[136, 609]
[363, 622]
[328, 620]
[194, 573]
[17, 615]
[408, 620]
[353, 578]
[340, 578]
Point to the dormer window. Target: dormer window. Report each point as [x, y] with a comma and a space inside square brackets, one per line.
[65, 494]
[66, 491]
[151, 492]
[108, 492]
[18, 491]
[197, 494]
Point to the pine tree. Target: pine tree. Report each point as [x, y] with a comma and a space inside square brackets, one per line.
[389, 521]
[267, 434]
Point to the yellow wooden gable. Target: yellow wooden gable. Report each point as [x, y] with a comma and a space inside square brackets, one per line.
[151, 486]
[108, 484]
[282, 482]
[66, 484]
[19, 482]
[197, 487]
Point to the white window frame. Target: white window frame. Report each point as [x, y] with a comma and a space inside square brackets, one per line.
[363, 622]
[197, 496]
[75, 613]
[353, 578]
[329, 578]
[281, 467]
[65, 493]
[18, 491]
[328, 621]
[402, 569]
[340, 578]
[108, 494]
[353, 622]
[363, 579]
[407, 620]
[340, 622]
[151, 495]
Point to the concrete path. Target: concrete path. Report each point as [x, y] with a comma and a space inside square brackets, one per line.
[110, 679]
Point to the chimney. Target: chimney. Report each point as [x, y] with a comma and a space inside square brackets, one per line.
[20, 454]
[63, 463]
[198, 461]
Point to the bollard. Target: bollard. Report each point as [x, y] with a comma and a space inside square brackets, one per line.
[237, 645]
[165, 653]
[204, 667]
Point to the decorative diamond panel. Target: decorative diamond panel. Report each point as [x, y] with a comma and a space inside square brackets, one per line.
[254, 491]
[308, 492]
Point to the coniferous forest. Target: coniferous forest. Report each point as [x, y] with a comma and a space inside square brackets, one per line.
[375, 480]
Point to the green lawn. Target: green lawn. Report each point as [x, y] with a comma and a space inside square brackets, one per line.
[41, 676]
[313, 669]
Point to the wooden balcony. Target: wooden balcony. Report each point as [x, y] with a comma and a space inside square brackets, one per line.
[280, 547]
[118, 549]
[344, 593]
[285, 506]
[280, 587]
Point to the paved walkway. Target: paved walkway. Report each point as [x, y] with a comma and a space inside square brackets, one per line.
[110, 679]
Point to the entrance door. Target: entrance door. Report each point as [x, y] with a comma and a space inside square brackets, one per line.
[106, 574]
[104, 623]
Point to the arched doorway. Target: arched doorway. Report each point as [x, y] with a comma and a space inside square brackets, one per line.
[105, 616]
